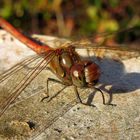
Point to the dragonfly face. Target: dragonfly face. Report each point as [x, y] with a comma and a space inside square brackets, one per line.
[85, 74]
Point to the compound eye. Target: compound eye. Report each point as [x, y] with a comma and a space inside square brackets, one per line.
[76, 74]
[66, 60]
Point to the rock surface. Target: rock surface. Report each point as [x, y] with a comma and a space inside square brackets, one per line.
[63, 118]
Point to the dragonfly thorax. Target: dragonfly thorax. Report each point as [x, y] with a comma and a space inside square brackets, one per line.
[62, 63]
[85, 73]
[73, 71]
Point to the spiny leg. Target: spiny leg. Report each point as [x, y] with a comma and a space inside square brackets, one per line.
[56, 81]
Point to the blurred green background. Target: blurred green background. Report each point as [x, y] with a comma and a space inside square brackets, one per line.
[71, 17]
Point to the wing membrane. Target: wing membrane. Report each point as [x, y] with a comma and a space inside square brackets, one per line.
[86, 47]
[117, 52]
[17, 67]
[15, 92]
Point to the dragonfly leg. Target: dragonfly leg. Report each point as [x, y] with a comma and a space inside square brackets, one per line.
[79, 99]
[47, 92]
[56, 81]
[101, 94]
[77, 95]
[109, 102]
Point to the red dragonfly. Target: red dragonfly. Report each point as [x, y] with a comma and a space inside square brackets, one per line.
[65, 63]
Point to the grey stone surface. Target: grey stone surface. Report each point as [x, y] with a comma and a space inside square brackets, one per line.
[63, 118]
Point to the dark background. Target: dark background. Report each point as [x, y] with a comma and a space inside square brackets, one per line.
[72, 17]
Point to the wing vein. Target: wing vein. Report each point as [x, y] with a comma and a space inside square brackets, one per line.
[25, 82]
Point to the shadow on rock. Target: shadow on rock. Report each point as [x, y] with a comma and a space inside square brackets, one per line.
[113, 74]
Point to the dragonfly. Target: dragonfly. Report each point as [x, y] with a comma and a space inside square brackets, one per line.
[64, 62]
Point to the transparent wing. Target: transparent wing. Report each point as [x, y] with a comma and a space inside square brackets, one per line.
[6, 74]
[87, 48]
[102, 45]
[43, 115]
[115, 52]
[90, 47]
[16, 86]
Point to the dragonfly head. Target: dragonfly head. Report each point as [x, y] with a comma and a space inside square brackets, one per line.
[85, 73]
